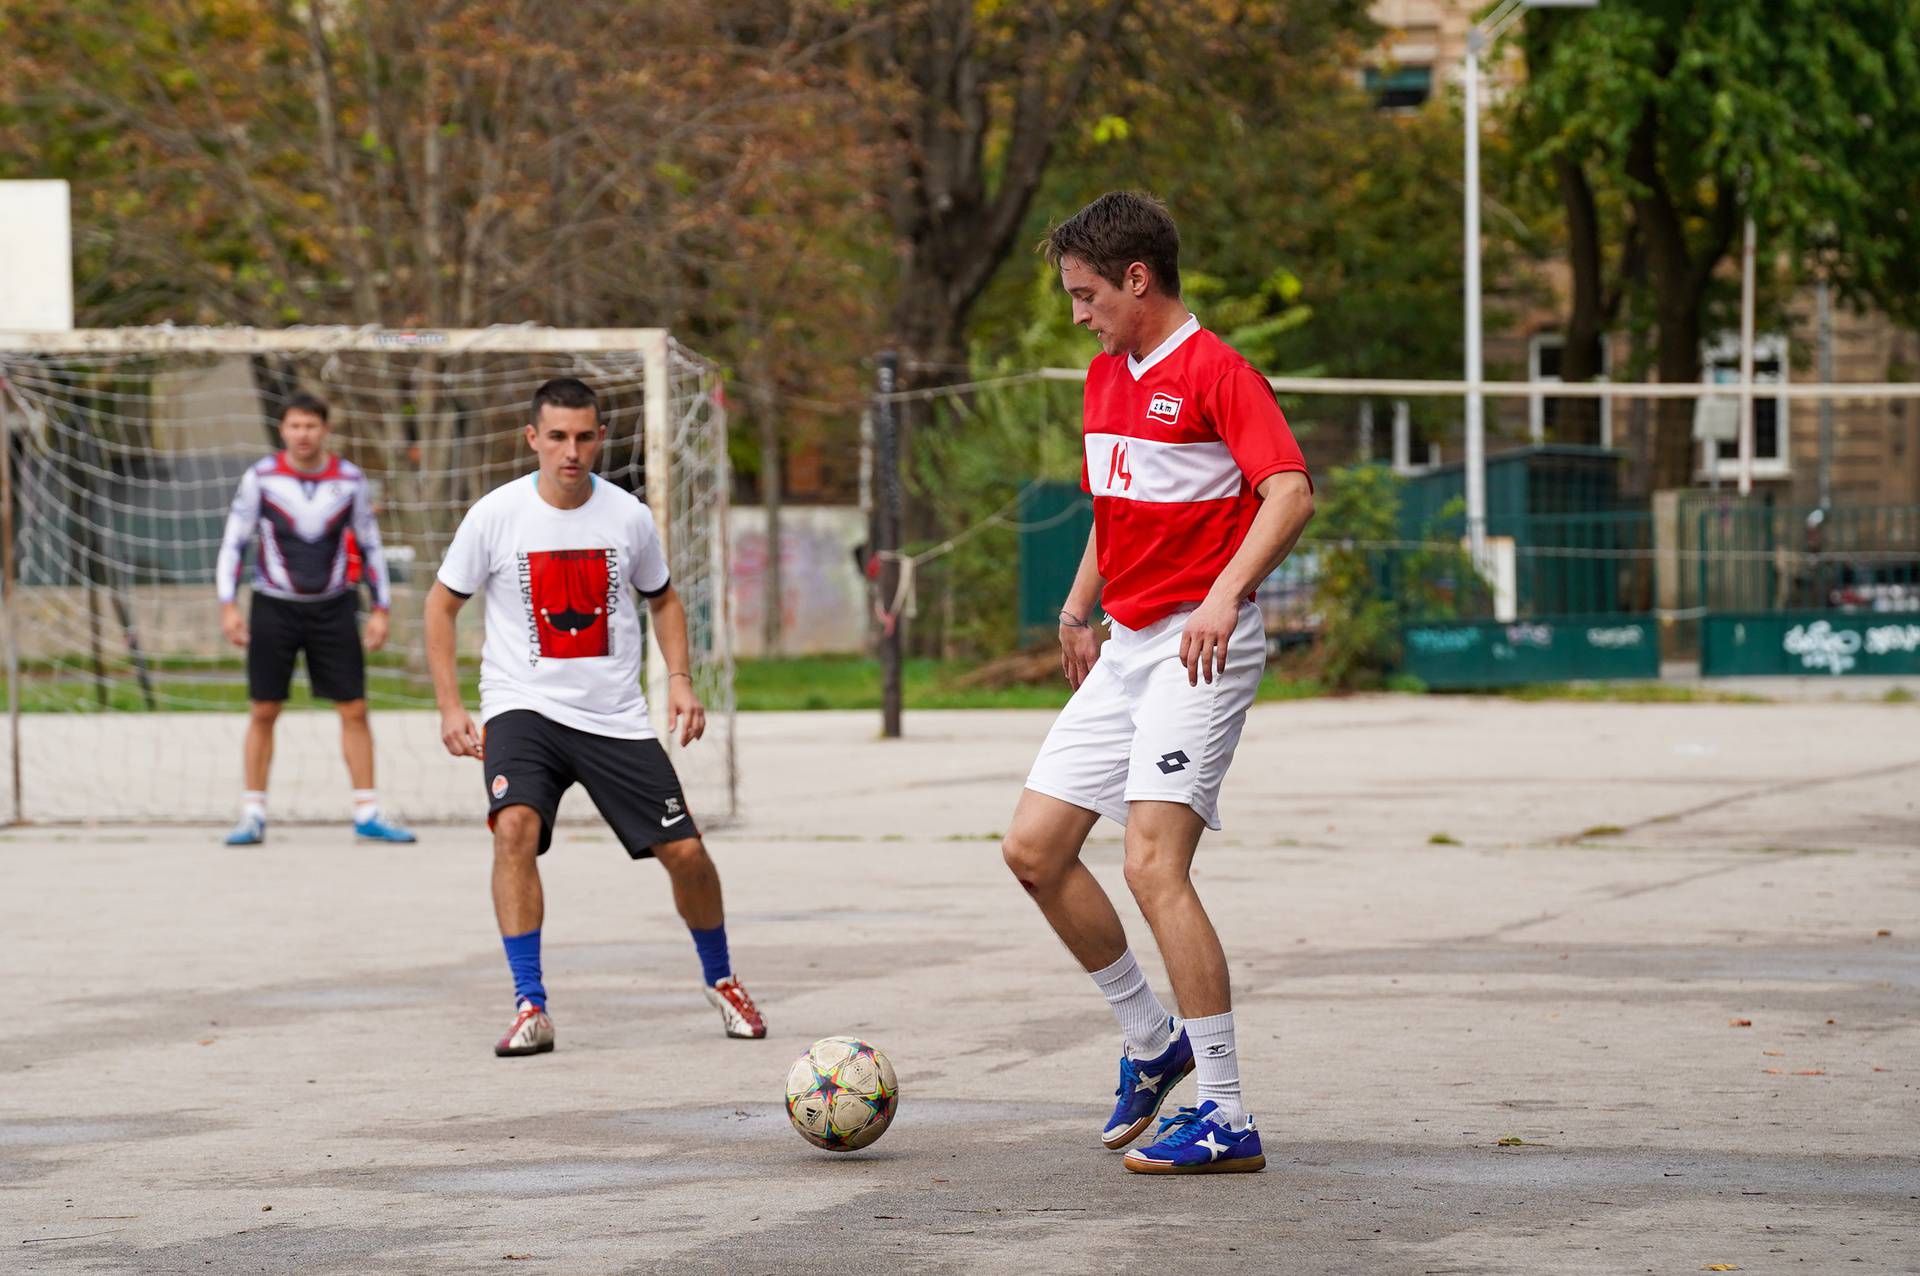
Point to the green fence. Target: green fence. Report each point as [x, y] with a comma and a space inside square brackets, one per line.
[1757, 557]
[1814, 642]
[1565, 648]
[1777, 589]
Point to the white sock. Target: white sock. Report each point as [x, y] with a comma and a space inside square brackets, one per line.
[365, 805]
[1142, 1018]
[253, 805]
[1215, 1066]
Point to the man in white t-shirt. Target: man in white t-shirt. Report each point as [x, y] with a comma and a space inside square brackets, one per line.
[559, 554]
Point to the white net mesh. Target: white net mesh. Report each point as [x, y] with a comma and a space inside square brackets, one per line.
[129, 704]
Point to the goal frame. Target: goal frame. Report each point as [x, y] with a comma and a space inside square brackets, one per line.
[655, 346]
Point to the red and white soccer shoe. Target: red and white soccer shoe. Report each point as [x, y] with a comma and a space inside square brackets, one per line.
[737, 1011]
[531, 1033]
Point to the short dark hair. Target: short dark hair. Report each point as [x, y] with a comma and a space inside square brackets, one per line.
[305, 403]
[565, 392]
[1116, 230]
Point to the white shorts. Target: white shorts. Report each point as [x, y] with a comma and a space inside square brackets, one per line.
[1135, 731]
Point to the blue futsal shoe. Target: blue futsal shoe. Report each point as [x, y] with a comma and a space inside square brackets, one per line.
[250, 831]
[1144, 1086]
[375, 829]
[1192, 1142]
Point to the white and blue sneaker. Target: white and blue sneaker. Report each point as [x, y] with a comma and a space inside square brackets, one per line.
[250, 831]
[1144, 1086]
[375, 829]
[1196, 1141]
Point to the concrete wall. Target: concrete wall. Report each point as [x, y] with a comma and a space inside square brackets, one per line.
[823, 597]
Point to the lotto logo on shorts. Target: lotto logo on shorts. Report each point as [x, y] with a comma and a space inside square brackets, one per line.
[1164, 407]
[499, 786]
[570, 591]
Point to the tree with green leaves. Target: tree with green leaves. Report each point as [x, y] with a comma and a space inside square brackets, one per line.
[1662, 125]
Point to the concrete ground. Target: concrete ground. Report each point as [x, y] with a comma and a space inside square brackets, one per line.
[1520, 987]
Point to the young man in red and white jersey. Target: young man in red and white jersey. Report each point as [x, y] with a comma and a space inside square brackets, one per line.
[1199, 492]
[557, 557]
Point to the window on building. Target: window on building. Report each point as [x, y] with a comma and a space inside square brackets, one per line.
[1721, 360]
[1545, 412]
[1400, 88]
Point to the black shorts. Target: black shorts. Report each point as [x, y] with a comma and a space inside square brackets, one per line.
[327, 630]
[531, 760]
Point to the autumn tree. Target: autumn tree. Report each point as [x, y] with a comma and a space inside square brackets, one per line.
[1689, 118]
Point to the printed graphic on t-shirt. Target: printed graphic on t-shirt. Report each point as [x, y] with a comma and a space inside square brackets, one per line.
[570, 593]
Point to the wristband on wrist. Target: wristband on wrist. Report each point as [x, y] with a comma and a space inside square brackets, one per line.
[677, 674]
[1071, 621]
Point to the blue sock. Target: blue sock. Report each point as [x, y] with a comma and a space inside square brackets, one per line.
[523, 958]
[712, 947]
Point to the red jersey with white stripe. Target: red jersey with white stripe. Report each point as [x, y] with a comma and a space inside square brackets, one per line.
[1176, 444]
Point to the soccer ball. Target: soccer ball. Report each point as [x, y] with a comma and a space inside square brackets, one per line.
[841, 1094]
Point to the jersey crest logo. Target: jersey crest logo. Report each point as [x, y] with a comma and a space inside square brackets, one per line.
[1164, 407]
[571, 594]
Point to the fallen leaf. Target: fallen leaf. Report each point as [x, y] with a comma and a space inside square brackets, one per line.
[1510, 1142]
[265, 1208]
[1772, 1072]
[1879, 1069]
[1881, 934]
[1811, 1072]
[1772, 1054]
[1720, 1267]
[206, 1041]
[1739, 1023]
[1829, 1021]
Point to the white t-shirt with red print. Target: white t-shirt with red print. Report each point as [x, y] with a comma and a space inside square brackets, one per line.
[563, 627]
[1176, 444]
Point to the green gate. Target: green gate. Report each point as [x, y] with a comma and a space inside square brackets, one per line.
[1055, 520]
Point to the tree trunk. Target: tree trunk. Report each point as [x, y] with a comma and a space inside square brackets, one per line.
[1679, 272]
[1580, 356]
[772, 489]
[1678, 360]
[957, 223]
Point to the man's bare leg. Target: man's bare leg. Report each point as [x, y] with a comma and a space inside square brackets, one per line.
[257, 760]
[519, 905]
[356, 743]
[1161, 839]
[696, 882]
[518, 902]
[696, 894]
[1042, 848]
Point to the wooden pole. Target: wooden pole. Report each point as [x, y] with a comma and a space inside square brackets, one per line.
[887, 540]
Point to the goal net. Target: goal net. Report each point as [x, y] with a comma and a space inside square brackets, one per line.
[122, 450]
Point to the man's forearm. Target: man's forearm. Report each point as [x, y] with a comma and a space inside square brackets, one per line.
[1285, 509]
[670, 631]
[1085, 594]
[443, 660]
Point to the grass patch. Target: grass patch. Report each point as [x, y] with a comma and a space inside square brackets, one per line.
[1602, 830]
[1442, 839]
[1898, 695]
[205, 688]
[853, 682]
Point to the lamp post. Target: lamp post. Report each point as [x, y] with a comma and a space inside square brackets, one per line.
[1479, 39]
